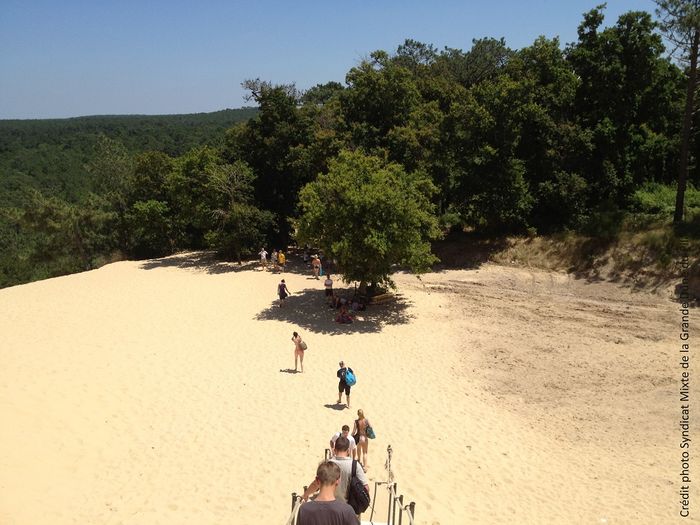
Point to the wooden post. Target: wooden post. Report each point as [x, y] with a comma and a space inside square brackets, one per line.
[389, 519]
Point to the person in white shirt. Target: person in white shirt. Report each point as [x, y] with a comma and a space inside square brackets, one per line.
[345, 432]
[344, 461]
[328, 283]
[263, 258]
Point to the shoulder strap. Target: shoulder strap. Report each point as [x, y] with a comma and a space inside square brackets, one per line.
[354, 468]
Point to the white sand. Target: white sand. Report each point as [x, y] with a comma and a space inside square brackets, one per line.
[155, 393]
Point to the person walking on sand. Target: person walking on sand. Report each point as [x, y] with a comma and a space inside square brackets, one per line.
[328, 285]
[345, 432]
[282, 258]
[263, 258]
[342, 384]
[316, 266]
[299, 347]
[283, 292]
[342, 458]
[327, 509]
[359, 432]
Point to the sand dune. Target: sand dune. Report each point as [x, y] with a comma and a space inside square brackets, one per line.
[159, 392]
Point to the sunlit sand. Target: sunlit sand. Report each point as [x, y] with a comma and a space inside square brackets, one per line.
[160, 392]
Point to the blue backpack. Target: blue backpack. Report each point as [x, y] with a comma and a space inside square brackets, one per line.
[350, 378]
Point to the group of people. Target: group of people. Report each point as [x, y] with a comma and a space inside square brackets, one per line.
[333, 478]
[358, 440]
[349, 450]
[342, 304]
[278, 259]
[332, 482]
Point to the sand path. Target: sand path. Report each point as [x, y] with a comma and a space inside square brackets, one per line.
[159, 392]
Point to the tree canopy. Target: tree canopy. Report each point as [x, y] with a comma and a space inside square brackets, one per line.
[550, 137]
[369, 215]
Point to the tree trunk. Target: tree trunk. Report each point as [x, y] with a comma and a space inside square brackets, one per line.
[687, 124]
[363, 288]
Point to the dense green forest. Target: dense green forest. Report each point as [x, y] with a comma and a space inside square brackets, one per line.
[546, 138]
[50, 155]
[51, 158]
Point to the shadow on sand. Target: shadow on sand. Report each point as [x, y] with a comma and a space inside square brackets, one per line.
[198, 261]
[289, 371]
[207, 261]
[336, 406]
[307, 309]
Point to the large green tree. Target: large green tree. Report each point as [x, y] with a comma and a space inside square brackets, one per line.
[111, 171]
[239, 226]
[626, 95]
[271, 145]
[369, 215]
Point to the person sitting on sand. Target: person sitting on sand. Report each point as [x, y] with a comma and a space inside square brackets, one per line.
[343, 316]
[356, 305]
[326, 508]
[283, 292]
[298, 351]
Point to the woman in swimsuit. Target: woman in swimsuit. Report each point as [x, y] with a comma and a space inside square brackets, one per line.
[298, 351]
[360, 429]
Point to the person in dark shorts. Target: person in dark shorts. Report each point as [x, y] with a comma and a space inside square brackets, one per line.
[328, 285]
[342, 385]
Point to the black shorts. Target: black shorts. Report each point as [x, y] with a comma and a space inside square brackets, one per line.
[342, 387]
[329, 292]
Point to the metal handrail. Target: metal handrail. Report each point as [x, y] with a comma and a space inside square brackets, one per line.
[409, 509]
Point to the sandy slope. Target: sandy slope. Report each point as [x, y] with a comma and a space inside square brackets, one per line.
[158, 392]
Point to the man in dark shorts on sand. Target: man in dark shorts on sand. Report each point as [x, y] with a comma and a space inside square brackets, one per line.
[328, 285]
[342, 385]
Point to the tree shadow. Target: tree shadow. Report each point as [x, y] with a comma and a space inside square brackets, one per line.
[209, 262]
[308, 309]
[199, 261]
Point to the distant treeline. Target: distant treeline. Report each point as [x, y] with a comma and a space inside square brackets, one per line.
[50, 155]
[540, 139]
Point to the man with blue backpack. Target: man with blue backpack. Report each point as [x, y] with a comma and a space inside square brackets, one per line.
[346, 379]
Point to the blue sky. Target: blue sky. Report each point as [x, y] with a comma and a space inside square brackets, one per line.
[95, 57]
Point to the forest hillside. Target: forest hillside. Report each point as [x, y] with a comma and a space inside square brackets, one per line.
[586, 139]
